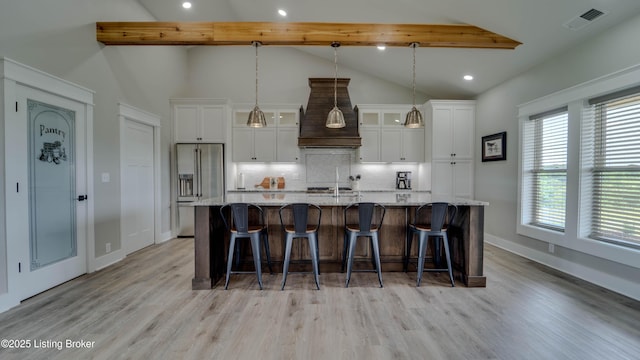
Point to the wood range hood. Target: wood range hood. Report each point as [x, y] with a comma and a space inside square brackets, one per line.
[313, 132]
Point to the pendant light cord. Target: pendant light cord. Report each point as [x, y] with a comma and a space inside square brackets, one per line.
[335, 46]
[414, 45]
[256, 44]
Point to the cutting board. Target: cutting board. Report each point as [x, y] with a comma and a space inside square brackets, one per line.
[266, 183]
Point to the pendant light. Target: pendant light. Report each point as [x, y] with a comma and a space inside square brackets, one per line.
[414, 117]
[335, 120]
[256, 116]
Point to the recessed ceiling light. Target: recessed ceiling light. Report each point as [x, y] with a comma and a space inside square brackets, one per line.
[186, 5]
[468, 77]
[282, 12]
[381, 47]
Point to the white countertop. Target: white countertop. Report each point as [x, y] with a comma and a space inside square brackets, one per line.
[387, 198]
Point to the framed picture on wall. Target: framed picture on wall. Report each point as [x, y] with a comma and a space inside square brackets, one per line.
[494, 147]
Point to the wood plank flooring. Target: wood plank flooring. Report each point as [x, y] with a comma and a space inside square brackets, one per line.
[144, 308]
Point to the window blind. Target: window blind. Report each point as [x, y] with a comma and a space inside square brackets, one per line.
[545, 161]
[615, 183]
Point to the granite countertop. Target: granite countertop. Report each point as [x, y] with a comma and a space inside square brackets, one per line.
[387, 198]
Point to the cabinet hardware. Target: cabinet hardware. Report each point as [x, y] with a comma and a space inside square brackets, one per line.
[83, 197]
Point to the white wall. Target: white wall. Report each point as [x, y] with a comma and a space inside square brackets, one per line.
[496, 182]
[58, 37]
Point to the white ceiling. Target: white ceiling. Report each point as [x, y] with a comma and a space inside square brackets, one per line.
[537, 24]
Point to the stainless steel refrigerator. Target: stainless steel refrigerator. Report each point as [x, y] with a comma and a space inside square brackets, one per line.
[200, 176]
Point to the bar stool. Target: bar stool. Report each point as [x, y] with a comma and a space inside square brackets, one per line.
[306, 223]
[442, 214]
[370, 217]
[237, 223]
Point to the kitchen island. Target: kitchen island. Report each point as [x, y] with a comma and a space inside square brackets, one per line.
[467, 234]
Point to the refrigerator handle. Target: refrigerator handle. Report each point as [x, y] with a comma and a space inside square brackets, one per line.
[196, 173]
[199, 172]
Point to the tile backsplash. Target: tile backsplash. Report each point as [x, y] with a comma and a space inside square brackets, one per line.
[318, 168]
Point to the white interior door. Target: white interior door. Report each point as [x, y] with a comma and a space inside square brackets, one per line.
[49, 223]
[138, 186]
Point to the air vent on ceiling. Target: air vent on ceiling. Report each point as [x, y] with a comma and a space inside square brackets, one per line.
[583, 20]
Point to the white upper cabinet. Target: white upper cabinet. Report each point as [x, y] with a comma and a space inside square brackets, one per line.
[451, 128]
[254, 145]
[370, 149]
[454, 123]
[199, 120]
[384, 137]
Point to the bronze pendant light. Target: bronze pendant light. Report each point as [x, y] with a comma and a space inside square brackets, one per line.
[335, 119]
[414, 117]
[256, 116]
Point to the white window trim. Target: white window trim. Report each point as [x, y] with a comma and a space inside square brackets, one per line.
[575, 97]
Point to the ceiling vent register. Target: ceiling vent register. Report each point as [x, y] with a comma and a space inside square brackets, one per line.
[583, 20]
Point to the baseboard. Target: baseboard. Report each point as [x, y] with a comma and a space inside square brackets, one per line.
[607, 281]
[109, 259]
[165, 236]
[7, 302]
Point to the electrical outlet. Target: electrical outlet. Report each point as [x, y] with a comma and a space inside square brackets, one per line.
[552, 248]
[108, 247]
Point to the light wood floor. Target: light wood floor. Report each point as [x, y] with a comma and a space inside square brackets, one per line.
[144, 308]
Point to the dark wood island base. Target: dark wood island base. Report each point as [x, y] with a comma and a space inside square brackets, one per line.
[211, 241]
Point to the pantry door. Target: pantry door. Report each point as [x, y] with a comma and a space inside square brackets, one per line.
[52, 157]
[138, 187]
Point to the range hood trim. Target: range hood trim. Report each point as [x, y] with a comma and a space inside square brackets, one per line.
[313, 132]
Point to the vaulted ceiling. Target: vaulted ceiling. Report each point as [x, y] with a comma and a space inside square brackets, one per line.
[538, 25]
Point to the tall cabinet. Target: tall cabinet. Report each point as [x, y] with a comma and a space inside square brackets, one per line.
[451, 130]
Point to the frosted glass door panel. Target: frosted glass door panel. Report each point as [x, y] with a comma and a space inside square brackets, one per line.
[52, 192]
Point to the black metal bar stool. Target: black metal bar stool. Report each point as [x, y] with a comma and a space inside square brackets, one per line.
[306, 223]
[370, 217]
[238, 224]
[442, 214]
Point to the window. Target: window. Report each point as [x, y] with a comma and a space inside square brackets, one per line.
[545, 169]
[612, 124]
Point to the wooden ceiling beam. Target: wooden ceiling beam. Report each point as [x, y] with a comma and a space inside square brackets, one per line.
[298, 34]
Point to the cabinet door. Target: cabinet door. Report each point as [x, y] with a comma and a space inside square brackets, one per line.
[441, 178]
[369, 118]
[287, 149]
[370, 149]
[213, 124]
[441, 132]
[413, 145]
[390, 145]
[463, 132]
[288, 118]
[242, 145]
[463, 179]
[186, 123]
[264, 144]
